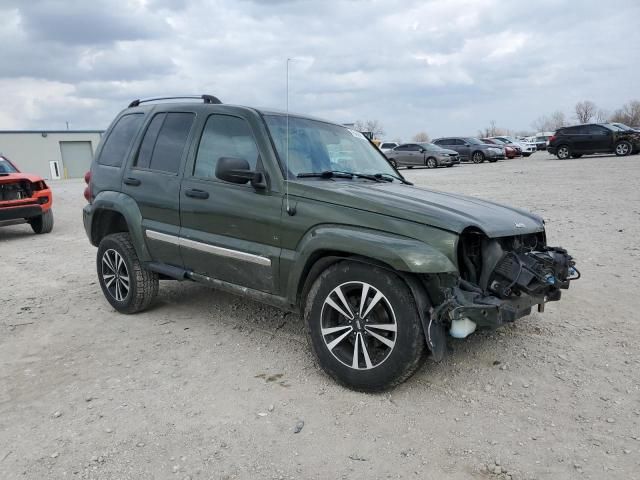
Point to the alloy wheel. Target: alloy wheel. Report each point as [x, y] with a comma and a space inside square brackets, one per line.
[622, 149]
[563, 152]
[115, 275]
[477, 157]
[358, 325]
[431, 163]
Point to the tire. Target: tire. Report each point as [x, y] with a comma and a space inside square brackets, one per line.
[563, 152]
[576, 155]
[493, 160]
[477, 157]
[117, 260]
[380, 365]
[43, 223]
[450, 165]
[393, 163]
[409, 166]
[431, 162]
[623, 148]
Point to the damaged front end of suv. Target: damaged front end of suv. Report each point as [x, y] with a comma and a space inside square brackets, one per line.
[499, 281]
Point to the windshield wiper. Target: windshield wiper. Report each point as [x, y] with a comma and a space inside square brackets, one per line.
[386, 176]
[342, 174]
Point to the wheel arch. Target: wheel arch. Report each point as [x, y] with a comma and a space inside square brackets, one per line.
[115, 212]
[403, 255]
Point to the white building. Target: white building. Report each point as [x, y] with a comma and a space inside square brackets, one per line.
[52, 154]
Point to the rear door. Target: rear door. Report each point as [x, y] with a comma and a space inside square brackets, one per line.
[600, 139]
[401, 154]
[152, 179]
[229, 231]
[577, 138]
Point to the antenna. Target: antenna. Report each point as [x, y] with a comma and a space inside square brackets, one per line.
[286, 195]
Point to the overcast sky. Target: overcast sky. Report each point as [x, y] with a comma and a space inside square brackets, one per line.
[447, 67]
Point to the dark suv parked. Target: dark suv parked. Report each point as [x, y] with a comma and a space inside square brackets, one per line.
[309, 216]
[472, 149]
[592, 138]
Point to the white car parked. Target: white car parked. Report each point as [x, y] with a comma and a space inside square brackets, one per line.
[387, 146]
[527, 147]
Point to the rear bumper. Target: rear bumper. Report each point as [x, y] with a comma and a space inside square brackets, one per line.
[18, 213]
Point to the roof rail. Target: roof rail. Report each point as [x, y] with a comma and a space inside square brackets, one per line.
[206, 98]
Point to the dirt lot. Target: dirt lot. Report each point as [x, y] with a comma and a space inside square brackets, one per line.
[206, 385]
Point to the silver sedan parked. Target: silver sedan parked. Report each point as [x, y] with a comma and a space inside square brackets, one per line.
[422, 154]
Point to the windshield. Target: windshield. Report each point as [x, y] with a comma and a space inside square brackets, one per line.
[316, 146]
[6, 167]
[623, 127]
[388, 145]
[475, 141]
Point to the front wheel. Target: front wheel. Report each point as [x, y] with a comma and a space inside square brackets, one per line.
[477, 157]
[126, 285]
[431, 162]
[42, 223]
[363, 326]
[623, 149]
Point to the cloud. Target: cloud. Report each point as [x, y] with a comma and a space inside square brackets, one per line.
[443, 67]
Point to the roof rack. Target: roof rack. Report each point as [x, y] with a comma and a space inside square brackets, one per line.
[206, 98]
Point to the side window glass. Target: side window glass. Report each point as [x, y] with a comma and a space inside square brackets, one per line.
[171, 141]
[143, 160]
[224, 136]
[119, 140]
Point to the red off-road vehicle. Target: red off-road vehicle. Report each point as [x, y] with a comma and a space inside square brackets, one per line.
[24, 198]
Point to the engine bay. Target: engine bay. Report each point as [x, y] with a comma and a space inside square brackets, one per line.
[20, 190]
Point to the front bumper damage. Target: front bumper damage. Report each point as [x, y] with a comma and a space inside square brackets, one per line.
[517, 283]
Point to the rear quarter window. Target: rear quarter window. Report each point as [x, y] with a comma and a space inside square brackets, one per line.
[117, 144]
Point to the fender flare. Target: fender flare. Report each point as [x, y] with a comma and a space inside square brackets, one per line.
[128, 208]
[400, 253]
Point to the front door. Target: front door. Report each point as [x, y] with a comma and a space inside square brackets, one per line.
[229, 231]
[600, 139]
[154, 168]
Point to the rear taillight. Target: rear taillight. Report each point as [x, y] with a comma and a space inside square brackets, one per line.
[87, 190]
[552, 138]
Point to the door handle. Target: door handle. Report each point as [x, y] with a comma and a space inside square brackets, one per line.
[195, 193]
[132, 181]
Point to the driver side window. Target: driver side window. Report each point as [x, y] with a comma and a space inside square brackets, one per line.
[224, 136]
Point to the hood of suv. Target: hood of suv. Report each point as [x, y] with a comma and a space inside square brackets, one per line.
[438, 209]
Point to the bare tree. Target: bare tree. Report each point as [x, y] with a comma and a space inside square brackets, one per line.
[602, 116]
[398, 140]
[421, 137]
[373, 126]
[492, 130]
[557, 120]
[629, 114]
[585, 111]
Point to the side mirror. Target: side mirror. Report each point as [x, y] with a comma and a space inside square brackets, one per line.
[237, 170]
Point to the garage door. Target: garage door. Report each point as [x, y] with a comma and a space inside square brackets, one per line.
[76, 158]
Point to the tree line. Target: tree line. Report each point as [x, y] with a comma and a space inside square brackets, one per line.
[587, 111]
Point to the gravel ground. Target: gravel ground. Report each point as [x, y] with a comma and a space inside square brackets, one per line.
[207, 385]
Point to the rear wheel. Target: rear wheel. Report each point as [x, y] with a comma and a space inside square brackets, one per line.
[431, 162]
[477, 157]
[42, 223]
[363, 326]
[623, 148]
[126, 285]
[563, 152]
[393, 163]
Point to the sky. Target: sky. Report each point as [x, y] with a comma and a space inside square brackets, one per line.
[446, 67]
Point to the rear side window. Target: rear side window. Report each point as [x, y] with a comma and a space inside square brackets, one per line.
[164, 142]
[224, 136]
[119, 141]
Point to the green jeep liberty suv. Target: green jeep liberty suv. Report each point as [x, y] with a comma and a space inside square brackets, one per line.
[309, 216]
